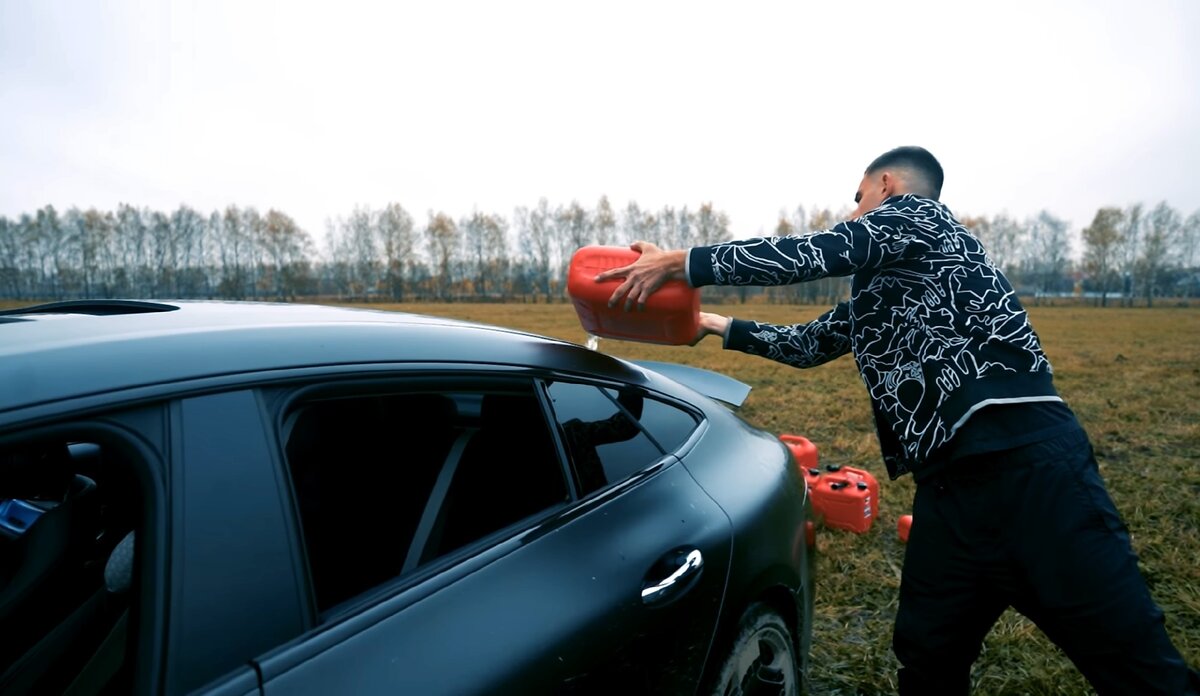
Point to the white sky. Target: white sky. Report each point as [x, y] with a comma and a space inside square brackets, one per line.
[312, 109]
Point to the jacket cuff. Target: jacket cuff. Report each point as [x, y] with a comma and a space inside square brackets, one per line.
[737, 335]
[698, 267]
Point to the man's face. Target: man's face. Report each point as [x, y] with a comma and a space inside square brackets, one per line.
[871, 193]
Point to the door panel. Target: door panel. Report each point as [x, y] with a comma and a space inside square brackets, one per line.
[562, 613]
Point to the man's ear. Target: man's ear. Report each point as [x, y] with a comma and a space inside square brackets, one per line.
[888, 182]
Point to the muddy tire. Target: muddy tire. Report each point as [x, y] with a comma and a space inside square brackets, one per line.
[762, 658]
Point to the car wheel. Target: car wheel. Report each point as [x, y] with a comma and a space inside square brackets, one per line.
[762, 659]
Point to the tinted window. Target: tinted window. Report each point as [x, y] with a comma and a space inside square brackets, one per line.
[604, 443]
[68, 512]
[386, 483]
[669, 425]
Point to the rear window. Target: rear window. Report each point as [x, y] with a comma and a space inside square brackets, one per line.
[669, 425]
[388, 483]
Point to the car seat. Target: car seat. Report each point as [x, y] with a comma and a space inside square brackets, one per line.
[42, 572]
[86, 652]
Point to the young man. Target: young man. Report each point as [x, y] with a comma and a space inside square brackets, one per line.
[1010, 509]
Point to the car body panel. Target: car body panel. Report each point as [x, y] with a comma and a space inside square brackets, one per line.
[557, 613]
[714, 385]
[52, 359]
[241, 593]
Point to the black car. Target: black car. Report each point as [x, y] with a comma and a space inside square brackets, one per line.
[251, 498]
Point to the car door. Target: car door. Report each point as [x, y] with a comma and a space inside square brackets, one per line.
[618, 587]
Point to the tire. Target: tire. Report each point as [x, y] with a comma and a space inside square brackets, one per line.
[762, 658]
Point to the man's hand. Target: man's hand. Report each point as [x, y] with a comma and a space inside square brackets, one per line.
[713, 324]
[644, 276]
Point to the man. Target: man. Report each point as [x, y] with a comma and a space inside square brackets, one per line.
[1010, 509]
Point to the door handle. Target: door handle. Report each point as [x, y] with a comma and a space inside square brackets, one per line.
[687, 564]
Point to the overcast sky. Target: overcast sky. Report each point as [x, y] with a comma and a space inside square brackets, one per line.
[314, 108]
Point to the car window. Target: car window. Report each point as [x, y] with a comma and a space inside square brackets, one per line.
[69, 507]
[388, 483]
[669, 425]
[602, 437]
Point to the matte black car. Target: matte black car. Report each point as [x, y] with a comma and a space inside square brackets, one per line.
[252, 498]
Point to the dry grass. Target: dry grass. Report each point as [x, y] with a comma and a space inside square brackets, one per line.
[1131, 375]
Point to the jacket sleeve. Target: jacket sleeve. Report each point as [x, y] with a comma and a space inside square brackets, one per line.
[799, 345]
[880, 237]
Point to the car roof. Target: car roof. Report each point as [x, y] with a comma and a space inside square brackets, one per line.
[70, 349]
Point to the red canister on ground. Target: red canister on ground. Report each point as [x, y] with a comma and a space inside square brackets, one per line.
[806, 456]
[802, 449]
[903, 527]
[671, 315]
[845, 503]
[856, 476]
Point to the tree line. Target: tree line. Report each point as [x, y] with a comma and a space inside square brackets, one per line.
[1133, 254]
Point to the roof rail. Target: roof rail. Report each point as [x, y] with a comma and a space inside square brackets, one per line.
[99, 308]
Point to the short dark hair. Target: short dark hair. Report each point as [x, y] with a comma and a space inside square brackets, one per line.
[917, 160]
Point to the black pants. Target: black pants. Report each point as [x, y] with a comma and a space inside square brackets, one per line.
[1032, 528]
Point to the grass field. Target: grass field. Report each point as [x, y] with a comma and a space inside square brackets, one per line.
[1131, 375]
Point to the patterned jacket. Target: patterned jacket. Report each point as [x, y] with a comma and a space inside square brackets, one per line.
[935, 327]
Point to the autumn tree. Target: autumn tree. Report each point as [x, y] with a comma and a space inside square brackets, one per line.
[442, 236]
[1049, 251]
[535, 238]
[573, 229]
[604, 222]
[397, 241]
[1101, 240]
[1130, 250]
[1162, 227]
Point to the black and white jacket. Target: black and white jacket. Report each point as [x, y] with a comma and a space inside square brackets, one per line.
[935, 327]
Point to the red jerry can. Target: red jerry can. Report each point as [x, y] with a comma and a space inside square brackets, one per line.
[856, 475]
[671, 315]
[903, 527]
[806, 456]
[845, 503]
[802, 449]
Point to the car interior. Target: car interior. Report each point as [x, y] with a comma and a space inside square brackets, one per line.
[68, 511]
[387, 483]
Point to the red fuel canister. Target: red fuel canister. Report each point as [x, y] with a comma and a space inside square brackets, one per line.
[802, 449]
[671, 315]
[856, 475]
[844, 503]
[903, 527]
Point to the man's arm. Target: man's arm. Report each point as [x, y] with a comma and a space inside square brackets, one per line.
[882, 236]
[799, 345]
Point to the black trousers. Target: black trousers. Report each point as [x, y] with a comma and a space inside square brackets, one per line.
[1032, 528]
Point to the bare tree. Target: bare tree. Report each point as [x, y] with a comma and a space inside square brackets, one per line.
[495, 235]
[1163, 226]
[188, 234]
[10, 262]
[1101, 240]
[472, 233]
[605, 222]
[442, 236]
[397, 239]
[1049, 251]
[132, 238]
[573, 229]
[635, 224]
[1187, 241]
[535, 237]
[712, 226]
[485, 242]
[286, 253]
[1130, 250]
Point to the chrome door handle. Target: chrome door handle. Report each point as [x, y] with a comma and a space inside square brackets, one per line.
[658, 591]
